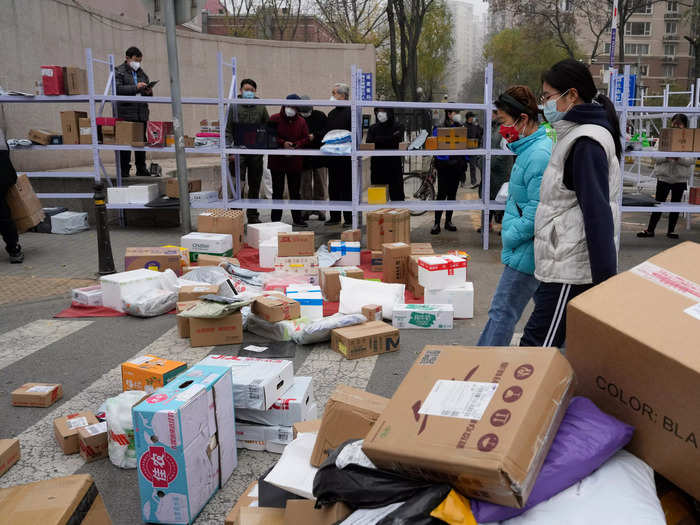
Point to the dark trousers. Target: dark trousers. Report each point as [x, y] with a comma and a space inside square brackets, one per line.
[294, 184]
[662, 191]
[139, 159]
[252, 170]
[547, 324]
[448, 183]
[393, 179]
[473, 163]
[8, 230]
[340, 185]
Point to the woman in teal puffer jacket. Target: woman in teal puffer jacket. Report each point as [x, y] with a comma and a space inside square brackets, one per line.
[518, 113]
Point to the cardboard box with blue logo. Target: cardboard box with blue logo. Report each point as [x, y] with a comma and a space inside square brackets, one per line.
[185, 444]
[158, 259]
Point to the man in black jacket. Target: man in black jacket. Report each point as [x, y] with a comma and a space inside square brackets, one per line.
[314, 178]
[386, 133]
[340, 168]
[474, 131]
[8, 229]
[131, 80]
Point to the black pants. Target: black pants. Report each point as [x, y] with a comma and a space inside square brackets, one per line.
[251, 169]
[8, 230]
[662, 191]
[340, 185]
[139, 159]
[473, 163]
[448, 183]
[547, 324]
[393, 179]
[294, 184]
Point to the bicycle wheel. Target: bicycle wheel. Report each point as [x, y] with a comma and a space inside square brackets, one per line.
[417, 187]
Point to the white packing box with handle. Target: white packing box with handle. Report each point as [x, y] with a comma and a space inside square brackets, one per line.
[89, 296]
[309, 297]
[461, 297]
[296, 404]
[142, 193]
[69, 222]
[349, 250]
[423, 316]
[257, 233]
[441, 271]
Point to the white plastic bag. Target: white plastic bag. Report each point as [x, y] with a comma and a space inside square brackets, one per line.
[320, 330]
[151, 303]
[279, 331]
[356, 293]
[337, 149]
[502, 195]
[120, 426]
[207, 274]
[337, 136]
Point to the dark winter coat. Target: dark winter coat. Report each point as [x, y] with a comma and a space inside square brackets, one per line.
[316, 123]
[386, 135]
[339, 118]
[126, 86]
[8, 175]
[292, 130]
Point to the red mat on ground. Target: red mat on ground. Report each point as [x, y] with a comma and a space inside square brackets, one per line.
[250, 259]
[77, 310]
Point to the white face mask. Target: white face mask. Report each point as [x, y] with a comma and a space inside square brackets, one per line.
[382, 116]
[290, 112]
[306, 114]
[333, 98]
[457, 118]
[135, 65]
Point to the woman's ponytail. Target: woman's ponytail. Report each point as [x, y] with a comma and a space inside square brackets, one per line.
[613, 120]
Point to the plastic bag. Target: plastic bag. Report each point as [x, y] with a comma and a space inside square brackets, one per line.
[337, 149]
[279, 280]
[418, 509]
[207, 274]
[120, 426]
[214, 310]
[151, 303]
[587, 438]
[454, 510]
[502, 195]
[326, 259]
[337, 136]
[279, 331]
[356, 293]
[320, 330]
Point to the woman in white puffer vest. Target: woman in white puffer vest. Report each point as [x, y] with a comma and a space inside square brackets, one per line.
[578, 218]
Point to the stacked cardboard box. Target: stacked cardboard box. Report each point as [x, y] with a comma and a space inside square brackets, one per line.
[330, 280]
[366, 339]
[210, 243]
[106, 129]
[387, 225]
[70, 124]
[395, 262]
[452, 138]
[75, 80]
[172, 190]
[230, 222]
[153, 258]
[258, 233]
[66, 430]
[304, 266]
[130, 133]
[309, 298]
[295, 244]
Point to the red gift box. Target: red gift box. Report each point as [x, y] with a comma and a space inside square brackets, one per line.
[156, 132]
[52, 80]
[694, 195]
[107, 121]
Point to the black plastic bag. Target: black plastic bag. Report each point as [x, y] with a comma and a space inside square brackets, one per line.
[416, 511]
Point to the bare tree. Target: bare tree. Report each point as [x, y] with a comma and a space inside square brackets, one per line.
[627, 9]
[355, 21]
[241, 19]
[692, 16]
[598, 18]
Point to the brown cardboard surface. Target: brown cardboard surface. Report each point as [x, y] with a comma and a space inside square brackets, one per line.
[70, 126]
[204, 259]
[351, 236]
[388, 225]
[261, 516]
[243, 501]
[373, 312]
[9, 454]
[377, 261]
[303, 511]
[172, 188]
[24, 397]
[75, 79]
[676, 139]
[150, 375]
[349, 414]
[301, 427]
[694, 195]
[85, 130]
[129, 133]
[366, 147]
[93, 446]
[192, 292]
[56, 501]
[422, 248]
[366, 339]
[635, 352]
[211, 332]
[274, 308]
[232, 222]
[42, 136]
[66, 433]
[183, 323]
[295, 244]
[696, 140]
[413, 286]
[25, 206]
[495, 458]
[154, 258]
[395, 262]
[330, 280]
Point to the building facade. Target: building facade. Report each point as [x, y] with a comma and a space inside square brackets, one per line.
[469, 32]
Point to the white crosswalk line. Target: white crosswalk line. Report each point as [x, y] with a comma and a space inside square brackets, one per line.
[32, 337]
[41, 456]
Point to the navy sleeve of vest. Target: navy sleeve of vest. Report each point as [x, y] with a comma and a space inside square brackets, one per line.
[586, 173]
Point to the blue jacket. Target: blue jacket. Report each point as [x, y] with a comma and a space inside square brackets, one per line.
[518, 231]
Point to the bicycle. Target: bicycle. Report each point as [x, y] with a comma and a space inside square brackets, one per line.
[421, 186]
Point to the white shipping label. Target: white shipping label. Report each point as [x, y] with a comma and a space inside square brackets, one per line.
[76, 422]
[668, 280]
[188, 394]
[694, 311]
[462, 399]
[140, 360]
[253, 348]
[97, 428]
[41, 388]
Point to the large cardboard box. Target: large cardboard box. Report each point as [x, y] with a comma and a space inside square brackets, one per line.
[224, 221]
[351, 235]
[295, 244]
[44, 136]
[37, 395]
[85, 130]
[129, 133]
[330, 280]
[183, 323]
[421, 248]
[481, 419]
[9, 454]
[274, 308]
[70, 125]
[93, 442]
[75, 79]
[304, 511]
[226, 330]
[172, 187]
[395, 262]
[261, 516]
[388, 225]
[158, 259]
[306, 266]
[677, 139]
[633, 342]
[148, 372]
[366, 339]
[247, 499]
[296, 404]
[25, 206]
[52, 80]
[192, 292]
[185, 443]
[66, 430]
[349, 414]
[58, 501]
[452, 138]
[215, 260]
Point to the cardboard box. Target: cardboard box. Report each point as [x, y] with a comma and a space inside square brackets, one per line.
[300, 511]
[57, 501]
[272, 438]
[461, 297]
[378, 194]
[267, 253]
[351, 235]
[75, 79]
[200, 197]
[395, 262]
[310, 300]
[472, 143]
[274, 308]
[480, 419]
[349, 414]
[421, 248]
[248, 498]
[366, 147]
[70, 126]
[295, 244]
[349, 250]
[183, 323]
[215, 260]
[226, 330]
[119, 287]
[373, 312]
[129, 133]
[364, 340]
[261, 516]
[157, 259]
[312, 426]
[694, 195]
[263, 231]
[25, 206]
[44, 137]
[148, 372]
[377, 261]
[441, 271]
[89, 295]
[209, 243]
[431, 143]
[696, 140]
[185, 443]
[257, 383]
[65, 430]
[192, 292]
[423, 316]
[388, 225]
[452, 138]
[296, 404]
[330, 280]
[172, 188]
[93, 442]
[109, 139]
[52, 80]
[85, 131]
[37, 395]
[413, 286]
[156, 131]
[403, 146]
[677, 139]
[307, 266]
[633, 342]
[9, 454]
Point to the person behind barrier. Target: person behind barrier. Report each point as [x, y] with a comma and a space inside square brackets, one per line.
[520, 128]
[8, 229]
[672, 174]
[340, 168]
[387, 133]
[578, 218]
[314, 178]
[474, 131]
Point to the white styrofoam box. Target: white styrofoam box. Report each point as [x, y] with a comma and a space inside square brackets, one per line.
[461, 297]
[209, 243]
[69, 222]
[272, 438]
[309, 297]
[267, 230]
[204, 196]
[296, 404]
[90, 295]
[356, 293]
[142, 193]
[268, 253]
[423, 316]
[441, 271]
[350, 251]
[116, 288]
[118, 195]
[257, 383]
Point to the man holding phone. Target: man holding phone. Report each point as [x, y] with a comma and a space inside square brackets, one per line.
[132, 80]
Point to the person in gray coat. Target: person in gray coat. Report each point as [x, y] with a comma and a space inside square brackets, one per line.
[132, 80]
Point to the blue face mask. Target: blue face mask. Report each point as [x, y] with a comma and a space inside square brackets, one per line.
[248, 94]
[551, 113]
